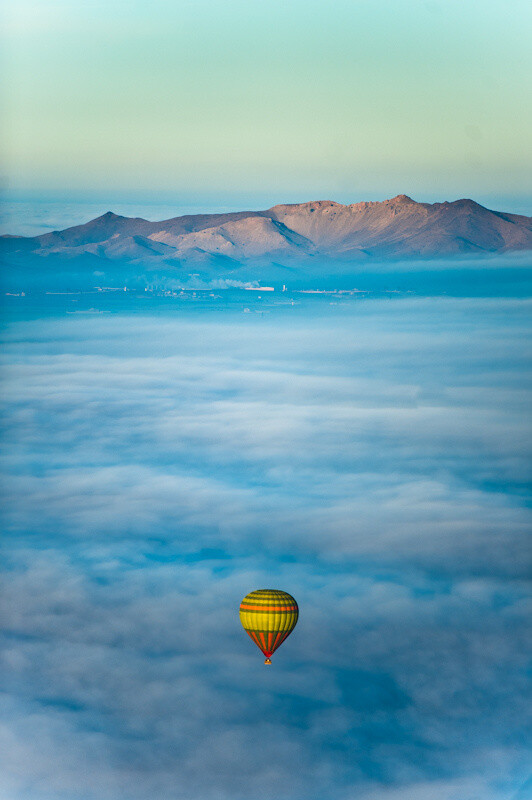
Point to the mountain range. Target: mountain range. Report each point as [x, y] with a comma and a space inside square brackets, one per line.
[400, 228]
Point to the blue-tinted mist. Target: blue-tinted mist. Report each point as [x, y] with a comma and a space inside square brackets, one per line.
[164, 457]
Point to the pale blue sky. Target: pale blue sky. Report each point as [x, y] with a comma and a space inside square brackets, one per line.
[221, 103]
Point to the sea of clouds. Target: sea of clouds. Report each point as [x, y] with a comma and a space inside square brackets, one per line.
[372, 461]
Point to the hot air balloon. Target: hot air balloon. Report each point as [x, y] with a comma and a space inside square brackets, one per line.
[269, 616]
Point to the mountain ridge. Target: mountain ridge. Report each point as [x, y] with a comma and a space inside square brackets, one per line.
[396, 228]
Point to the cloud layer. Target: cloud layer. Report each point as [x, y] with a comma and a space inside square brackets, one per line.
[373, 462]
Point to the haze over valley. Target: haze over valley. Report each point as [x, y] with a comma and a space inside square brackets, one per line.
[316, 243]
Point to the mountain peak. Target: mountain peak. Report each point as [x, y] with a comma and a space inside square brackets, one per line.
[402, 198]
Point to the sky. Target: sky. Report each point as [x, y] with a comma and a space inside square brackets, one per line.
[212, 104]
[369, 458]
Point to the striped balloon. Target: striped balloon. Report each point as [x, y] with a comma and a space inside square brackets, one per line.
[269, 616]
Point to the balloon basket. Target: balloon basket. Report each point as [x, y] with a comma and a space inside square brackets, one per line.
[268, 661]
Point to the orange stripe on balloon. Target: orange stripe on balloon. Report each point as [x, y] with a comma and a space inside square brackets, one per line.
[268, 608]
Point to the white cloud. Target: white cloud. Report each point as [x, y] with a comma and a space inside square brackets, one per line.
[156, 469]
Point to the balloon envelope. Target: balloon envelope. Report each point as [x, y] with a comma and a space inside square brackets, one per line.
[268, 616]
